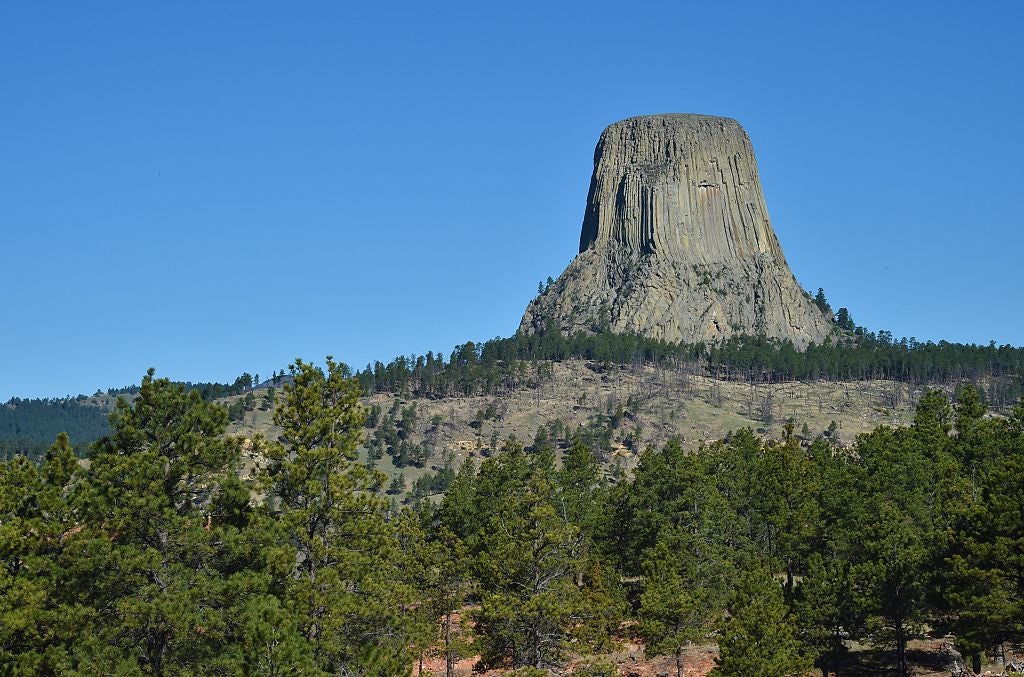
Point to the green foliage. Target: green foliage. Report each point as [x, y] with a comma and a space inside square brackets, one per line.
[270, 642]
[844, 321]
[529, 530]
[28, 426]
[393, 436]
[269, 399]
[977, 529]
[787, 501]
[822, 302]
[161, 556]
[687, 581]
[446, 582]
[346, 583]
[35, 621]
[236, 410]
[669, 488]
[161, 577]
[528, 671]
[528, 557]
[893, 527]
[596, 668]
[520, 361]
[826, 609]
[432, 484]
[397, 485]
[758, 640]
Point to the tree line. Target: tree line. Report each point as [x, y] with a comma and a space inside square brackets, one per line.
[506, 364]
[502, 365]
[176, 551]
[29, 426]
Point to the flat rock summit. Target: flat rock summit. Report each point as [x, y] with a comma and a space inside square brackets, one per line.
[676, 242]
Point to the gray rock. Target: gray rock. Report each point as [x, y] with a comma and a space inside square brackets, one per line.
[676, 242]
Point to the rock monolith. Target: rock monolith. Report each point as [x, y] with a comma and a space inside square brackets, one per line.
[676, 242]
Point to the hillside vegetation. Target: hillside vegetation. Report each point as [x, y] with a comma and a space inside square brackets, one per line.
[593, 505]
[181, 550]
[29, 426]
[617, 410]
[621, 393]
[873, 371]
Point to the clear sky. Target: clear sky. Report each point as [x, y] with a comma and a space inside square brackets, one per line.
[217, 187]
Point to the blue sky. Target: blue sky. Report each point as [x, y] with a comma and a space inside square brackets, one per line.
[211, 188]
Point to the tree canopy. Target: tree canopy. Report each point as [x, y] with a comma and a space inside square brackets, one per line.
[177, 549]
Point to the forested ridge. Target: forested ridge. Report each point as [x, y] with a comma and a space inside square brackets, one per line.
[503, 363]
[179, 550]
[29, 426]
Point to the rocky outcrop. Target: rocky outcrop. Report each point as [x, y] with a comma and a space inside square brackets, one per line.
[676, 242]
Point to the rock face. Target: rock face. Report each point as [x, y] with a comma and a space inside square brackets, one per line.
[676, 242]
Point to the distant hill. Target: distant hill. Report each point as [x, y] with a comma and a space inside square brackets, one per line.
[423, 424]
[621, 391]
[30, 426]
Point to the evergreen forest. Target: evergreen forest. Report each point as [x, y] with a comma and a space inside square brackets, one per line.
[177, 549]
[29, 426]
[506, 363]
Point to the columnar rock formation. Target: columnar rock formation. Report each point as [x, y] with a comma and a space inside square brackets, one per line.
[676, 242]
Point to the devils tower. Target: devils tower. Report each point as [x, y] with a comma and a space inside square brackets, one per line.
[676, 242]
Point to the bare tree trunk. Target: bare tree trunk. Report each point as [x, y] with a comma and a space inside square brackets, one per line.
[449, 655]
[901, 650]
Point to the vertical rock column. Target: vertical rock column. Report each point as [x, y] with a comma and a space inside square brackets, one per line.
[676, 242]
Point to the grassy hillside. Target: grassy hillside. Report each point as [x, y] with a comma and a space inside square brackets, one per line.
[620, 409]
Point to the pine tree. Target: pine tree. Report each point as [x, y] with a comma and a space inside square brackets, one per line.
[164, 577]
[686, 587]
[787, 488]
[346, 584]
[271, 644]
[894, 526]
[977, 532]
[457, 512]
[581, 488]
[826, 609]
[822, 302]
[39, 621]
[527, 562]
[844, 320]
[759, 639]
[446, 586]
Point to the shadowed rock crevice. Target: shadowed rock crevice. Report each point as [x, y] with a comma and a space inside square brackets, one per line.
[676, 242]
